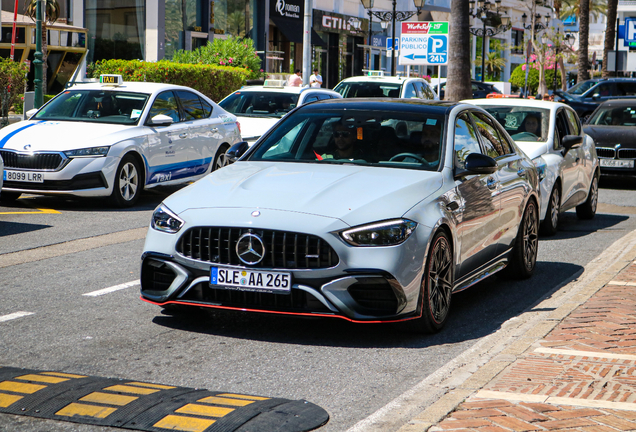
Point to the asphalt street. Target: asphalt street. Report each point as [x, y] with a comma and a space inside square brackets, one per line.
[349, 370]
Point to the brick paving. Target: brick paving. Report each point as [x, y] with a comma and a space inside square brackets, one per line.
[580, 378]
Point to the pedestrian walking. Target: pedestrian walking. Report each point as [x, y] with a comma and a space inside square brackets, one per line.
[315, 80]
[296, 79]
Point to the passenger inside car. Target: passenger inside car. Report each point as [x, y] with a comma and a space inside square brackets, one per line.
[346, 142]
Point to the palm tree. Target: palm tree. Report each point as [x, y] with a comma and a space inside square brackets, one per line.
[458, 85]
[493, 63]
[610, 33]
[584, 33]
[568, 8]
[51, 14]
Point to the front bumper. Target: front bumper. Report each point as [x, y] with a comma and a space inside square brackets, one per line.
[380, 284]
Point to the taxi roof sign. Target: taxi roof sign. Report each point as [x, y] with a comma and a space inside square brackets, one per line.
[375, 73]
[113, 80]
[274, 83]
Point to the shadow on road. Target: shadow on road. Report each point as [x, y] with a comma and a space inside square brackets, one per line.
[12, 228]
[475, 313]
[570, 226]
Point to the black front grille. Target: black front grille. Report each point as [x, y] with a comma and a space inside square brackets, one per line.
[627, 153]
[375, 294]
[283, 249]
[35, 161]
[156, 275]
[605, 152]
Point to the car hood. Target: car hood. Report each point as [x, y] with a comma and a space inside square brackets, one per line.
[353, 194]
[532, 149]
[253, 127]
[61, 136]
[611, 135]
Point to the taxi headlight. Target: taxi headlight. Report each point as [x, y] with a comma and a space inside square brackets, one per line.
[163, 219]
[88, 152]
[385, 233]
[541, 166]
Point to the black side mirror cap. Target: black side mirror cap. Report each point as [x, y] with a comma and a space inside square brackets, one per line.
[236, 151]
[571, 141]
[477, 163]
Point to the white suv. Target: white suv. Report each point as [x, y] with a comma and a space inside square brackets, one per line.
[375, 84]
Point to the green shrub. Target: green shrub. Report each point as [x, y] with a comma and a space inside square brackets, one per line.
[18, 108]
[216, 82]
[12, 79]
[232, 51]
[518, 78]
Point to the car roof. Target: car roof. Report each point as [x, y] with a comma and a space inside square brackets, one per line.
[387, 79]
[284, 89]
[619, 102]
[516, 102]
[129, 86]
[384, 104]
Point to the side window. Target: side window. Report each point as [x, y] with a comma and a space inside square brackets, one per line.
[191, 105]
[503, 137]
[166, 104]
[324, 96]
[573, 120]
[626, 89]
[311, 98]
[428, 92]
[561, 128]
[603, 90]
[207, 108]
[466, 141]
[409, 91]
[489, 134]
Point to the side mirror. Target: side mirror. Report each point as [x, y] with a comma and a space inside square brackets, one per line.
[161, 120]
[596, 96]
[571, 141]
[236, 151]
[477, 163]
[30, 113]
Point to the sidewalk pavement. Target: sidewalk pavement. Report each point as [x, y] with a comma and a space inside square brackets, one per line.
[579, 376]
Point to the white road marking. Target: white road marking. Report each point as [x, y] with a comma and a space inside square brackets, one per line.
[552, 400]
[112, 289]
[593, 354]
[14, 315]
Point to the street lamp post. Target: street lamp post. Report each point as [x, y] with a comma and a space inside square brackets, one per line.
[368, 5]
[490, 18]
[37, 62]
[392, 16]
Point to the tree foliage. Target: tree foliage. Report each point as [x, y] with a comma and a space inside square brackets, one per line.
[518, 78]
[12, 80]
[233, 51]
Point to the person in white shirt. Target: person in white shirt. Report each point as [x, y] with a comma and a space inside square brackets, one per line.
[315, 80]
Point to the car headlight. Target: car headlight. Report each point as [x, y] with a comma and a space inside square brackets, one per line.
[541, 165]
[163, 219]
[88, 152]
[385, 233]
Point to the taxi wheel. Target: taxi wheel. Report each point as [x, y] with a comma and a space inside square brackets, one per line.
[221, 159]
[9, 197]
[128, 183]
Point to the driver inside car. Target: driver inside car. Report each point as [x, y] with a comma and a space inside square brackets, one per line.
[345, 139]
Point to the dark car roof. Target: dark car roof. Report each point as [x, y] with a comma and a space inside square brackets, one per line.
[384, 104]
[618, 102]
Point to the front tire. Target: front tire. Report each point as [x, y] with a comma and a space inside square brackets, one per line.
[128, 182]
[587, 210]
[221, 159]
[524, 252]
[437, 286]
[549, 224]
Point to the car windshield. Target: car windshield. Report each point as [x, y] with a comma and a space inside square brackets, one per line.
[522, 123]
[98, 106]
[615, 116]
[374, 138]
[582, 87]
[260, 104]
[368, 89]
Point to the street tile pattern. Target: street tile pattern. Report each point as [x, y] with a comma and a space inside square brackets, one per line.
[604, 325]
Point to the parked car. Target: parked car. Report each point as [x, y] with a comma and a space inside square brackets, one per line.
[376, 84]
[585, 96]
[479, 89]
[551, 134]
[331, 215]
[1, 176]
[612, 126]
[113, 139]
[258, 108]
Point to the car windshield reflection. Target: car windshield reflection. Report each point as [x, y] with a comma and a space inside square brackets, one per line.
[399, 140]
[522, 123]
[96, 106]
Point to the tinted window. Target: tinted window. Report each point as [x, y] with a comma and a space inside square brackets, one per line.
[191, 105]
[573, 120]
[561, 127]
[489, 134]
[311, 99]
[603, 90]
[409, 91]
[207, 108]
[428, 92]
[581, 88]
[260, 104]
[466, 141]
[368, 89]
[166, 104]
[626, 88]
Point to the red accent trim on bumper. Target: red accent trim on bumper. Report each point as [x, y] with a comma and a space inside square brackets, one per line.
[278, 313]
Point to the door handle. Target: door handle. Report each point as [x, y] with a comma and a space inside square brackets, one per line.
[183, 135]
[491, 183]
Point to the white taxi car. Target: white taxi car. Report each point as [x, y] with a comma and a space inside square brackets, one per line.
[115, 138]
[376, 84]
[258, 108]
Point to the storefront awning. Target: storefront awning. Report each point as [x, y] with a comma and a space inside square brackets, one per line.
[293, 31]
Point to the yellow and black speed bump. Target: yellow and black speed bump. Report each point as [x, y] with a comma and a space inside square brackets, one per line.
[148, 407]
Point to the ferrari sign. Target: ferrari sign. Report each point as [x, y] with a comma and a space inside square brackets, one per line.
[424, 43]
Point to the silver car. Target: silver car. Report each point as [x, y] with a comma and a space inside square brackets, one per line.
[333, 214]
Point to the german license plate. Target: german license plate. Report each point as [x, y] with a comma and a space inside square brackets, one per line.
[23, 176]
[617, 163]
[250, 280]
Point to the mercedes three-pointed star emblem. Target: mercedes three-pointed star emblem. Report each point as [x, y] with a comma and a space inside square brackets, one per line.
[250, 248]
